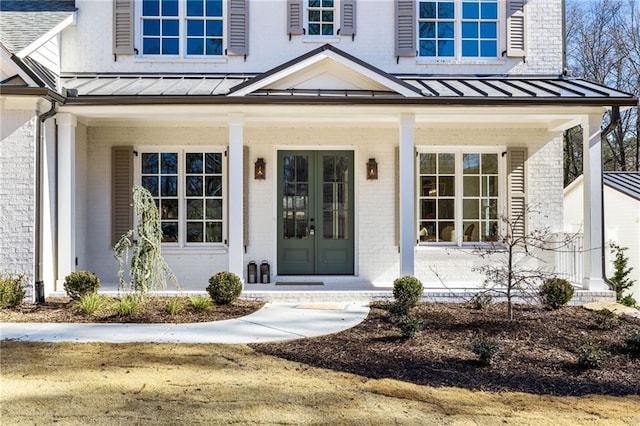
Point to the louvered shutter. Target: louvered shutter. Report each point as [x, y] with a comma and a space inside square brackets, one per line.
[405, 27]
[123, 27]
[238, 27]
[294, 17]
[516, 25]
[348, 17]
[121, 191]
[245, 194]
[516, 162]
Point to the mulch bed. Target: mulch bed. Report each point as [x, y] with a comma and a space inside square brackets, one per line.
[538, 350]
[154, 311]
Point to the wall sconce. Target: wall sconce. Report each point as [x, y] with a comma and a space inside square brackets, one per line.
[372, 169]
[260, 170]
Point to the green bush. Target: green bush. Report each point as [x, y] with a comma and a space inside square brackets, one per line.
[173, 306]
[556, 292]
[200, 303]
[481, 301]
[90, 303]
[629, 301]
[79, 283]
[633, 342]
[128, 306]
[224, 287]
[484, 347]
[606, 319]
[11, 290]
[408, 325]
[407, 292]
[590, 356]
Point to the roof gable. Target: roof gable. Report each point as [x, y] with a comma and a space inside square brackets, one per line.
[325, 69]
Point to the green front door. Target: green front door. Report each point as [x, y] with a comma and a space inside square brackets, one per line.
[315, 212]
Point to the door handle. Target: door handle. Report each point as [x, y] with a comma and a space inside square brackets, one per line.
[312, 230]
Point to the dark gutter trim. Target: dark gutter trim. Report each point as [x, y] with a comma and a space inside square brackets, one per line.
[27, 70]
[32, 91]
[331, 100]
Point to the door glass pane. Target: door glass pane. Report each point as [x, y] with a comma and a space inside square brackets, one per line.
[295, 198]
[335, 197]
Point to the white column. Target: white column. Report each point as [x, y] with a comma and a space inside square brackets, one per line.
[66, 195]
[593, 213]
[235, 194]
[407, 196]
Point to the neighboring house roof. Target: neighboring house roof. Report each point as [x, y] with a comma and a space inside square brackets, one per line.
[22, 22]
[327, 74]
[626, 182]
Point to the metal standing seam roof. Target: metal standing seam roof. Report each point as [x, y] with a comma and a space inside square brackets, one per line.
[626, 182]
[502, 90]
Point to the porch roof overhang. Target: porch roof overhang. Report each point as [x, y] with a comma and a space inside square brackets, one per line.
[105, 89]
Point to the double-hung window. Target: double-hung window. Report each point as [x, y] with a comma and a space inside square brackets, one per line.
[182, 27]
[321, 18]
[187, 186]
[459, 196]
[458, 29]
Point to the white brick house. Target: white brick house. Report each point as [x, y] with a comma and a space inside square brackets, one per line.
[460, 105]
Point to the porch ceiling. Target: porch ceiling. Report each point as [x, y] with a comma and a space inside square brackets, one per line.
[551, 118]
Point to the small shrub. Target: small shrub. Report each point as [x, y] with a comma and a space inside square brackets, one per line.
[590, 356]
[556, 292]
[224, 287]
[127, 306]
[408, 325]
[606, 319]
[200, 303]
[173, 306]
[481, 301]
[407, 292]
[633, 342]
[90, 303]
[629, 301]
[11, 290]
[484, 347]
[79, 283]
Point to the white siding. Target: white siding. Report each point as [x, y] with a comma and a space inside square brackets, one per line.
[17, 194]
[87, 47]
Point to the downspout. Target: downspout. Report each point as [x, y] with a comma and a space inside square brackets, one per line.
[39, 283]
[613, 123]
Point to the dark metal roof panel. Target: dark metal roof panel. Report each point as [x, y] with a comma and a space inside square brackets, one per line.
[626, 182]
[446, 90]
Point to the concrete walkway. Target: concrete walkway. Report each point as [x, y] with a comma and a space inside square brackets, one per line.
[274, 322]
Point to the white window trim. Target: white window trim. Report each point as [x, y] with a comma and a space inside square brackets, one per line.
[182, 38]
[307, 38]
[458, 59]
[458, 219]
[182, 246]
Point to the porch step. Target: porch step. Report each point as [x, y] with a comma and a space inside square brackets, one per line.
[580, 297]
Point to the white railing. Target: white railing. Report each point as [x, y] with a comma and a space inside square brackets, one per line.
[569, 258]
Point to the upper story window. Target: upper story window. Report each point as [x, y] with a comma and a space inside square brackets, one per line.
[321, 17]
[458, 29]
[182, 27]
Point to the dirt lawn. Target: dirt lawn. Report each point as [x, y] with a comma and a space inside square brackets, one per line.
[100, 384]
